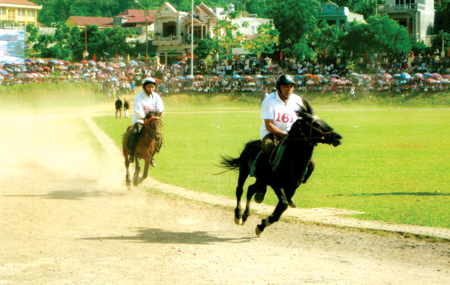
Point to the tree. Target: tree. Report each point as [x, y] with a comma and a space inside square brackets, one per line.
[265, 41]
[294, 19]
[326, 39]
[301, 50]
[436, 41]
[379, 34]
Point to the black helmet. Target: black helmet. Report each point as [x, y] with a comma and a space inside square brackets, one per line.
[148, 80]
[285, 79]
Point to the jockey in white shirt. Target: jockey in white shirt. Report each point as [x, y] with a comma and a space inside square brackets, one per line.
[146, 101]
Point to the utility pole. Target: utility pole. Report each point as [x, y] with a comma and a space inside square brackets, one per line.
[192, 37]
[146, 28]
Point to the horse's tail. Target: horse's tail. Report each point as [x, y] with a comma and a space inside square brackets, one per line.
[249, 153]
[230, 163]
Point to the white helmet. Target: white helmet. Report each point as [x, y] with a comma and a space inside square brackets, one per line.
[148, 80]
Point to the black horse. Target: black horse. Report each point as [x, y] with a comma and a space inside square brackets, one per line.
[305, 133]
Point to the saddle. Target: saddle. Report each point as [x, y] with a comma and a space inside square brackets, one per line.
[275, 157]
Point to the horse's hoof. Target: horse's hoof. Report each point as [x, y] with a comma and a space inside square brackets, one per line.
[258, 232]
[237, 221]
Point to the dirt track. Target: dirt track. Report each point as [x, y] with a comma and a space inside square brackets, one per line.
[66, 217]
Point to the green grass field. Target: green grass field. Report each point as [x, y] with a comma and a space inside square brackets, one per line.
[393, 164]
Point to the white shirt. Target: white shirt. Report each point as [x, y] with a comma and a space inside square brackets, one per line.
[283, 115]
[144, 104]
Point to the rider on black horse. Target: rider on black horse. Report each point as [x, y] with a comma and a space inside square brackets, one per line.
[278, 114]
[147, 101]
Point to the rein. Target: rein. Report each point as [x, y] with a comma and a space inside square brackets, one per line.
[310, 137]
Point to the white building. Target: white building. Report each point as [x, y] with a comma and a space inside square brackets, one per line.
[416, 15]
[173, 28]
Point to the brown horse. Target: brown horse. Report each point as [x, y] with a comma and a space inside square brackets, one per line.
[146, 147]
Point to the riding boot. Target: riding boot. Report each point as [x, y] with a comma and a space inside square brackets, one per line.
[262, 172]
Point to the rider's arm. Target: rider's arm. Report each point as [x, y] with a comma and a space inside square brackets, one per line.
[138, 109]
[270, 126]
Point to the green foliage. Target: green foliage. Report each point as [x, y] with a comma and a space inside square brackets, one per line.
[294, 19]
[326, 38]
[69, 44]
[265, 41]
[379, 34]
[301, 51]
[436, 41]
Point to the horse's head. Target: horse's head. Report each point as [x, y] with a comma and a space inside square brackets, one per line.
[314, 130]
[153, 125]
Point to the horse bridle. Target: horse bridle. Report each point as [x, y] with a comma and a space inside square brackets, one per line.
[147, 122]
[323, 135]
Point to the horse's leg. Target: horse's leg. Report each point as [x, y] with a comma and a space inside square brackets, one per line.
[252, 189]
[127, 176]
[243, 174]
[145, 174]
[137, 169]
[309, 171]
[276, 214]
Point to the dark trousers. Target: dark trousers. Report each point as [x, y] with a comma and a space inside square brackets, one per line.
[134, 137]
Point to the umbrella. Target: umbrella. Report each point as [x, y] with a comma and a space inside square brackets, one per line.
[236, 76]
[19, 75]
[446, 81]
[396, 76]
[112, 78]
[436, 75]
[130, 71]
[387, 75]
[181, 78]
[189, 77]
[7, 62]
[40, 60]
[334, 76]
[121, 64]
[176, 66]
[182, 62]
[248, 78]
[54, 61]
[405, 75]
[175, 62]
[214, 78]
[157, 80]
[16, 69]
[427, 74]
[133, 62]
[91, 62]
[3, 72]
[198, 76]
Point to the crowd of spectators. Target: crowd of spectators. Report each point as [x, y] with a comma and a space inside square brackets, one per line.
[117, 76]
